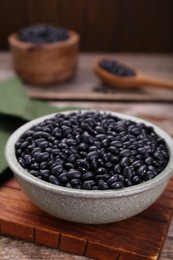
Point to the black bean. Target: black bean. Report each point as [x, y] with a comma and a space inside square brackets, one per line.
[43, 165]
[86, 185]
[113, 179]
[105, 176]
[63, 155]
[83, 147]
[92, 148]
[128, 182]
[148, 175]
[134, 152]
[28, 133]
[83, 154]
[142, 170]
[100, 137]
[102, 185]
[40, 134]
[135, 131]
[72, 158]
[24, 146]
[127, 173]
[71, 142]
[94, 165]
[73, 174]
[97, 144]
[94, 187]
[137, 163]
[54, 180]
[153, 169]
[100, 129]
[149, 160]
[125, 153]
[121, 177]
[136, 179]
[125, 161]
[87, 176]
[34, 166]
[82, 170]
[63, 146]
[110, 137]
[69, 166]
[114, 159]
[117, 169]
[101, 170]
[27, 160]
[114, 150]
[109, 165]
[87, 138]
[75, 182]
[105, 143]
[117, 143]
[63, 177]
[82, 163]
[92, 155]
[42, 157]
[45, 173]
[34, 173]
[43, 144]
[100, 162]
[57, 169]
[54, 151]
[117, 185]
[106, 157]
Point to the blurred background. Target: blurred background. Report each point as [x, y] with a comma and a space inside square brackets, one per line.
[104, 25]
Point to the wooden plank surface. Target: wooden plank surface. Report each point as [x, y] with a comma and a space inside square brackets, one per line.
[82, 86]
[86, 86]
[111, 25]
[160, 114]
[141, 236]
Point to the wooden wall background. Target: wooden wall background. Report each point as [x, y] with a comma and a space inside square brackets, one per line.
[104, 25]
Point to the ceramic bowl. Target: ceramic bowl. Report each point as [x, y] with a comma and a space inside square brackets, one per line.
[45, 64]
[89, 206]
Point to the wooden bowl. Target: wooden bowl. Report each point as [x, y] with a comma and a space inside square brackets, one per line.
[45, 64]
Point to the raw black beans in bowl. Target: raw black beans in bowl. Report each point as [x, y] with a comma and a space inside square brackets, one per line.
[92, 151]
[43, 33]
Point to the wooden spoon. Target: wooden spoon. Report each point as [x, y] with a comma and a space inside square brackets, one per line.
[138, 80]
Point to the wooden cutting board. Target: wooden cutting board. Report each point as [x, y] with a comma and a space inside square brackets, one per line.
[138, 238]
[94, 91]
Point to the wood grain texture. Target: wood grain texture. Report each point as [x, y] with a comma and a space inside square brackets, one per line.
[20, 218]
[82, 86]
[112, 25]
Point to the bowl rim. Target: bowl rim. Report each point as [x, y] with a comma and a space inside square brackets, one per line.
[19, 171]
[14, 41]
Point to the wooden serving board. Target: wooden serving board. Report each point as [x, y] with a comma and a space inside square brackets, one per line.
[86, 86]
[138, 238]
[94, 91]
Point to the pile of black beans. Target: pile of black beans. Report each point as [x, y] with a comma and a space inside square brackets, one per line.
[116, 68]
[92, 151]
[40, 34]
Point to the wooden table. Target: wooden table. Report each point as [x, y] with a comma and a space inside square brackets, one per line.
[158, 110]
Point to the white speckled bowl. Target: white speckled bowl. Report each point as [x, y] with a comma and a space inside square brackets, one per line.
[83, 206]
